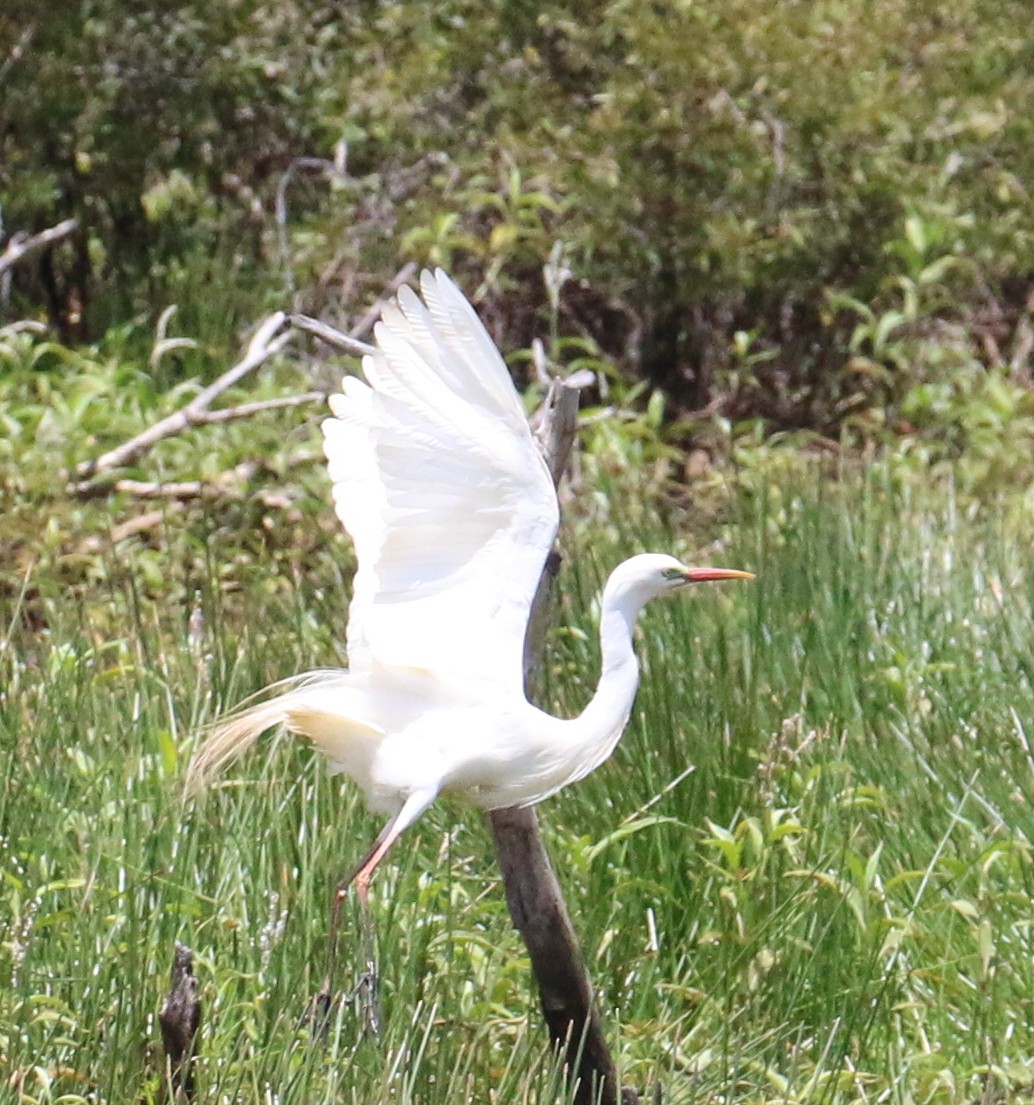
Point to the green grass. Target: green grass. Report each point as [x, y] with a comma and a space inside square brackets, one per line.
[834, 905]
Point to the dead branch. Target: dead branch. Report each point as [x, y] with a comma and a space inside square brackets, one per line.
[267, 342]
[330, 335]
[532, 891]
[331, 170]
[272, 335]
[182, 490]
[17, 51]
[351, 342]
[24, 326]
[174, 498]
[149, 520]
[162, 342]
[246, 410]
[230, 486]
[365, 324]
[185, 491]
[24, 247]
[227, 486]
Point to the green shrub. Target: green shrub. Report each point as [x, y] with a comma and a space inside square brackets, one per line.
[707, 171]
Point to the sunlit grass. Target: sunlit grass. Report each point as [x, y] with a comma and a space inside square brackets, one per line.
[834, 904]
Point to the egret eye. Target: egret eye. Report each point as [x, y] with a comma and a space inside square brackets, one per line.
[674, 575]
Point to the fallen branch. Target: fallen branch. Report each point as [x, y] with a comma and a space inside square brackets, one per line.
[133, 527]
[230, 486]
[182, 490]
[227, 486]
[272, 335]
[246, 410]
[267, 342]
[366, 323]
[17, 52]
[162, 342]
[331, 170]
[24, 247]
[330, 335]
[24, 326]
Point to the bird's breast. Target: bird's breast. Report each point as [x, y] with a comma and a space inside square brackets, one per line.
[488, 756]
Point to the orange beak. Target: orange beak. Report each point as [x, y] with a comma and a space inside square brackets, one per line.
[712, 575]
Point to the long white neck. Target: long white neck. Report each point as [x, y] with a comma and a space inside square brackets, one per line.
[599, 726]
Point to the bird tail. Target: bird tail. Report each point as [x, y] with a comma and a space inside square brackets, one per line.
[312, 705]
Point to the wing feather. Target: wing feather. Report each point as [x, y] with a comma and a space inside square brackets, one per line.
[441, 487]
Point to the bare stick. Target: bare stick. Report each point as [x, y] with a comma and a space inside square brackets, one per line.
[229, 486]
[246, 410]
[331, 335]
[162, 342]
[17, 51]
[351, 342]
[140, 524]
[180, 1018]
[267, 342]
[182, 490]
[272, 335]
[532, 891]
[330, 169]
[366, 323]
[23, 248]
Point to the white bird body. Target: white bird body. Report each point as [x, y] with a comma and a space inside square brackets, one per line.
[452, 512]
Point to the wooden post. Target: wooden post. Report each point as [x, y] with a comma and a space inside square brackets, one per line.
[532, 891]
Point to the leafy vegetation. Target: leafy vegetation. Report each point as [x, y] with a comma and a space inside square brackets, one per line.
[726, 192]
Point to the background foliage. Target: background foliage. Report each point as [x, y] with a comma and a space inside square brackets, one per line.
[727, 190]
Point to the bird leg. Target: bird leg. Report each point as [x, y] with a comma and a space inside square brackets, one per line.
[360, 877]
[366, 988]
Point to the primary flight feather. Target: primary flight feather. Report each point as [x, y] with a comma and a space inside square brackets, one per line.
[452, 511]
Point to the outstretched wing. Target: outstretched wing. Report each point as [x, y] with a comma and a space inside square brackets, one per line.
[439, 483]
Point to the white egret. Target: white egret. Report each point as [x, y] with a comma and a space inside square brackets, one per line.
[452, 511]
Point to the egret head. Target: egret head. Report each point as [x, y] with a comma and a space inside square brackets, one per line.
[650, 575]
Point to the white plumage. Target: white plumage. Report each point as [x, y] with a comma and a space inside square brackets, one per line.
[452, 511]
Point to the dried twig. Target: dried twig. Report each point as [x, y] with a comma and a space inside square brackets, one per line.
[132, 527]
[350, 342]
[365, 324]
[182, 490]
[246, 410]
[24, 247]
[331, 335]
[329, 169]
[230, 486]
[17, 51]
[162, 342]
[271, 336]
[25, 326]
